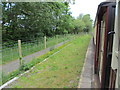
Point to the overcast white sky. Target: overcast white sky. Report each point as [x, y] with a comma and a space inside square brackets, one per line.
[85, 7]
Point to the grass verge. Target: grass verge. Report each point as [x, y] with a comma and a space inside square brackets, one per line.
[27, 66]
[59, 71]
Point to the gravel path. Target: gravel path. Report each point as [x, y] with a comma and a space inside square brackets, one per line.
[13, 65]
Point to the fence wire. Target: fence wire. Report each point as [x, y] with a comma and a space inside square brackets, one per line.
[10, 52]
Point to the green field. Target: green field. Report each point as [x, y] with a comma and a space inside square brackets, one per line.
[62, 70]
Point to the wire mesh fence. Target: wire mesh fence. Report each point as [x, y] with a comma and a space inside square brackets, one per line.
[10, 52]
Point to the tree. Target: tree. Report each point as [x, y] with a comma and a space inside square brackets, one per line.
[28, 21]
[82, 23]
[78, 25]
[88, 23]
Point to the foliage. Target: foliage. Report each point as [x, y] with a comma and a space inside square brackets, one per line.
[79, 25]
[83, 23]
[27, 21]
[30, 20]
[88, 23]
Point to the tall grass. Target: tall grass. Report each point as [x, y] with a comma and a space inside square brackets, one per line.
[10, 54]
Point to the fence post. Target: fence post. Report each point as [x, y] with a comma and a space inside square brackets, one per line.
[56, 39]
[45, 42]
[20, 52]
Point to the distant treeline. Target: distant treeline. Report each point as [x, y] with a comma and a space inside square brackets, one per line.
[30, 20]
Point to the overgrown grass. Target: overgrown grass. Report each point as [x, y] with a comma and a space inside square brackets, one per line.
[27, 66]
[60, 71]
[10, 54]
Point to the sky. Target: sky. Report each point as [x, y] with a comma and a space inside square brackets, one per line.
[85, 7]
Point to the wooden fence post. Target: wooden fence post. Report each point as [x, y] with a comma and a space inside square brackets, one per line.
[20, 52]
[45, 41]
[56, 39]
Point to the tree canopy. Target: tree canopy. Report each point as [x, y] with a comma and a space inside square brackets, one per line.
[83, 23]
[30, 20]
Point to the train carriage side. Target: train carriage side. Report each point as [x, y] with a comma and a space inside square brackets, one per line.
[115, 64]
[105, 19]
